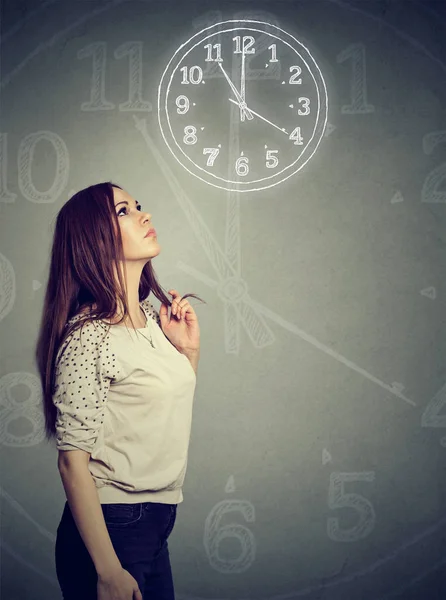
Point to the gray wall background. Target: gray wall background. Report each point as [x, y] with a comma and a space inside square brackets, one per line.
[317, 460]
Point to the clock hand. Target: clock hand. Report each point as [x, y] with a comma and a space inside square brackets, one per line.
[242, 86]
[240, 102]
[260, 117]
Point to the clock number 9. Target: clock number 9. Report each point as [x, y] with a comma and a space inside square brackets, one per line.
[183, 105]
[241, 166]
[270, 156]
[189, 135]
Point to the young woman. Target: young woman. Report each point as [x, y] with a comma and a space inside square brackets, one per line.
[118, 381]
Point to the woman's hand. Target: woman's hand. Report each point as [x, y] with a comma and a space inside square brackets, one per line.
[121, 586]
[181, 329]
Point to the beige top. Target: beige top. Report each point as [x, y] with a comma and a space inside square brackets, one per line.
[129, 405]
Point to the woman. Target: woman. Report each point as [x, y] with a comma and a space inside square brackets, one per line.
[118, 382]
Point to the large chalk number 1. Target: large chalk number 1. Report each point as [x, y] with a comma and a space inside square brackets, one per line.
[358, 105]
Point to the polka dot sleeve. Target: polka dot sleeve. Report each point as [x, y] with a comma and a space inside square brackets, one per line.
[82, 380]
[151, 311]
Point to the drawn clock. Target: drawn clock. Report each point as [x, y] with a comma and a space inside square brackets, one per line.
[282, 120]
[357, 518]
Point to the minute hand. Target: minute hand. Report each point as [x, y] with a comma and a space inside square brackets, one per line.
[240, 102]
[260, 117]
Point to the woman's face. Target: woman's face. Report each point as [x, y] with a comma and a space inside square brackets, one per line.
[134, 224]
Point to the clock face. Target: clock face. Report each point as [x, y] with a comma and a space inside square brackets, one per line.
[260, 116]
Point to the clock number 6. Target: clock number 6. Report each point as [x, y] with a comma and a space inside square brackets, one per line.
[241, 166]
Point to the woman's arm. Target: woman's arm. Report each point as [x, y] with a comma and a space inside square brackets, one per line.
[193, 356]
[83, 500]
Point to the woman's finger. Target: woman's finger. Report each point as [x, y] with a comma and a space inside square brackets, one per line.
[181, 306]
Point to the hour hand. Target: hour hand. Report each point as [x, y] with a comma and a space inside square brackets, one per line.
[240, 100]
[263, 118]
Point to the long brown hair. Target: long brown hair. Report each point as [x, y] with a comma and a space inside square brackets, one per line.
[87, 248]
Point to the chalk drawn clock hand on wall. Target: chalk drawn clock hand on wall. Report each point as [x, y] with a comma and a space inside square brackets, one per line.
[282, 118]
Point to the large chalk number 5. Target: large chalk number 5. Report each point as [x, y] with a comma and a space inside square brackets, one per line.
[338, 498]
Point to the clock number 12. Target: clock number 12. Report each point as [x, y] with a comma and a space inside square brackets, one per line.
[248, 41]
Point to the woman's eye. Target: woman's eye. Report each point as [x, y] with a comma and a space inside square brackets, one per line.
[139, 207]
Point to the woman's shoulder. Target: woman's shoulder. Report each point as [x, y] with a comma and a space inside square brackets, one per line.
[81, 317]
[147, 306]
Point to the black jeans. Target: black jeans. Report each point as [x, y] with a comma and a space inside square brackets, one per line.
[139, 535]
